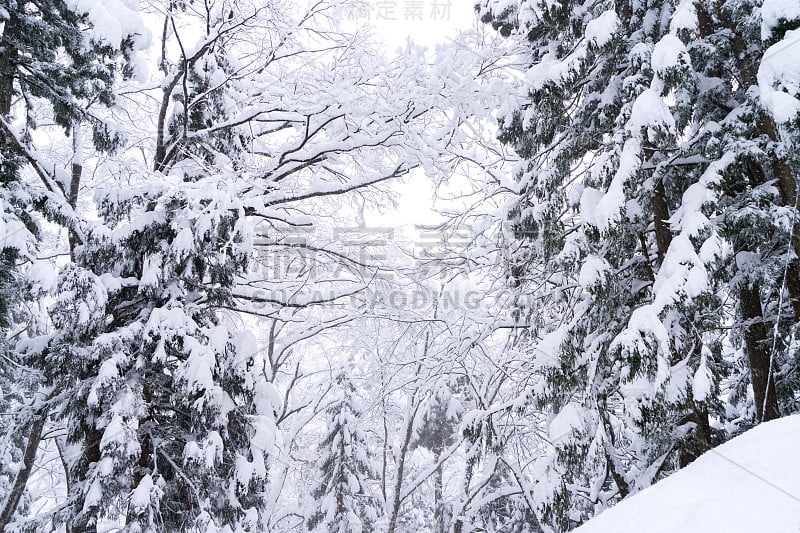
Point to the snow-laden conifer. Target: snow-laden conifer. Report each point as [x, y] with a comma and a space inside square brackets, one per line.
[344, 501]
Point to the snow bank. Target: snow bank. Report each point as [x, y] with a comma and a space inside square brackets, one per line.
[748, 484]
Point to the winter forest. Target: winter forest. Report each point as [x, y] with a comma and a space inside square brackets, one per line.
[217, 315]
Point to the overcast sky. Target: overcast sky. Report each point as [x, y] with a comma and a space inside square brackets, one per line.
[427, 22]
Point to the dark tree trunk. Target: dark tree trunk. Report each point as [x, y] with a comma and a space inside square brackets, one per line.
[700, 439]
[75, 184]
[438, 493]
[28, 458]
[85, 522]
[8, 64]
[660, 217]
[758, 352]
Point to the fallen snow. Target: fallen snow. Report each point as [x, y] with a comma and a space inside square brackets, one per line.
[748, 484]
[602, 29]
[567, 422]
[669, 52]
[773, 11]
[779, 78]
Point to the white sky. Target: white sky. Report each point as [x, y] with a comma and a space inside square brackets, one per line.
[427, 23]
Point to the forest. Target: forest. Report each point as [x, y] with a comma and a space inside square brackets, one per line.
[216, 315]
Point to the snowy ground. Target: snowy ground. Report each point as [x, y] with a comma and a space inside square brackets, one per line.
[749, 484]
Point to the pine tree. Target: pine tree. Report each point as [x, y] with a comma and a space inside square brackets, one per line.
[51, 65]
[171, 422]
[597, 190]
[437, 433]
[657, 184]
[752, 176]
[343, 500]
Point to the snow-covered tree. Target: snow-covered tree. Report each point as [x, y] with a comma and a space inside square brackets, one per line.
[616, 370]
[259, 118]
[169, 425]
[56, 71]
[656, 187]
[171, 422]
[437, 433]
[752, 181]
[344, 498]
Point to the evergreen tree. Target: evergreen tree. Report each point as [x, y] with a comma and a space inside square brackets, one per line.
[163, 403]
[52, 65]
[343, 500]
[751, 112]
[614, 373]
[161, 396]
[656, 184]
[437, 433]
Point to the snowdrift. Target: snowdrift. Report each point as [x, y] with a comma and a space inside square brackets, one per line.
[750, 484]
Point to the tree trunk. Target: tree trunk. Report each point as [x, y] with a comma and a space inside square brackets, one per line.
[700, 439]
[28, 458]
[61, 446]
[758, 352]
[660, 217]
[401, 464]
[756, 333]
[438, 500]
[85, 522]
[8, 64]
[75, 182]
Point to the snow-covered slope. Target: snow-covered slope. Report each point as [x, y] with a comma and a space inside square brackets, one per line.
[750, 484]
